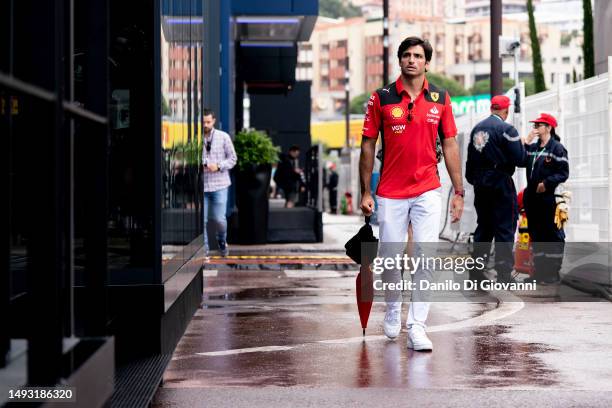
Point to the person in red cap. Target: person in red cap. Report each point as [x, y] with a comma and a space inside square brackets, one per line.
[494, 151]
[547, 167]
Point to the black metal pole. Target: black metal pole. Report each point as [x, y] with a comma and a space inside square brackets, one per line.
[385, 42]
[347, 111]
[43, 38]
[496, 63]
[6, 65]
[96, 99]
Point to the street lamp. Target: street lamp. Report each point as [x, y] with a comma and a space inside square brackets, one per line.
[347, 98]
[496, 65]
[385, 42]
[510, 47]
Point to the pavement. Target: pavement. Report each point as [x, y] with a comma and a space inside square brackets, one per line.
[337, 229]
[291, 337]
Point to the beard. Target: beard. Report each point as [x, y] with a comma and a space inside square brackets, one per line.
[412, 73]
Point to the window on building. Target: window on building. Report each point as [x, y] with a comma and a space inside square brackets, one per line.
[568, 78]
[552, 78]
[566, 60]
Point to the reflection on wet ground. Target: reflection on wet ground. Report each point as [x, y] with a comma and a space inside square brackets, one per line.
[286, 320]
[504, 363]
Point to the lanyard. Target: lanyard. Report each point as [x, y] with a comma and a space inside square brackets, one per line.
[208, 143]
[536, 159]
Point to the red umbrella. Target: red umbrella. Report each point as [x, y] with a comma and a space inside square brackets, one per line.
[362, 249]
[365, 294]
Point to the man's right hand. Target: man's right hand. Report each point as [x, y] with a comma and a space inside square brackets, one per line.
[367, 204]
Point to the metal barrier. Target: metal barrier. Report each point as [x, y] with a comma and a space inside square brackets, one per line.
[583, 112]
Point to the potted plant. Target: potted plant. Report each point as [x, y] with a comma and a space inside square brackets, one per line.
[256, 154]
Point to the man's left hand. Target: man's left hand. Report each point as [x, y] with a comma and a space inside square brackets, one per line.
[541, 188]
[456, 208]
[213, 167]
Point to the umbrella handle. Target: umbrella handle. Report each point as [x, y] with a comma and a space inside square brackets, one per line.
[367, 219]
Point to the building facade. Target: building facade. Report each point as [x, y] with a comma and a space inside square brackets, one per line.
[462, 51]
[100, 106]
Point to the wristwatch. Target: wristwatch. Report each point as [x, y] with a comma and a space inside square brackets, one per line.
[460, 193]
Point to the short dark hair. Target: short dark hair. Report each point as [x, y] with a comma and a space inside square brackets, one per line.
[413, 41]
[294, 148]
[208, 112]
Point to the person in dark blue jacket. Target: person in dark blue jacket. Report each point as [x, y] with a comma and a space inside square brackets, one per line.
[494, 151]
[547, 167]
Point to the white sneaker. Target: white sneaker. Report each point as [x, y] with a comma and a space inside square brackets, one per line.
[392, 324]
[418, 340]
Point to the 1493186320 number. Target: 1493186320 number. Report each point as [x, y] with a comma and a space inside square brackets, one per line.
[41, 394]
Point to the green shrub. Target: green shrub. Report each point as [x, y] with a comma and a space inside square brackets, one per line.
[254, 147]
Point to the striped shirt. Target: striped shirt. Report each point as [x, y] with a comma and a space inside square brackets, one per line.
[221, 153]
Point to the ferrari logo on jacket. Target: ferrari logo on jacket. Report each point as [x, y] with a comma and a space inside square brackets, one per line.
[435, 96]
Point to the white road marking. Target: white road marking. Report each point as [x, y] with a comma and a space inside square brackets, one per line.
[349, 340]
[304, 273]
[505, 308]
[245, 350]
[508, 305]
[210, 273]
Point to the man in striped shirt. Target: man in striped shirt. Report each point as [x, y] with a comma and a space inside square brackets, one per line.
[218, 157]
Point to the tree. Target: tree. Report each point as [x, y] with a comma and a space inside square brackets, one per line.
[452, 86]
[337, 9]
[538, 72]
[484, 86]
[587, 45]
[358, 104]
[529, 86]
[165, 108]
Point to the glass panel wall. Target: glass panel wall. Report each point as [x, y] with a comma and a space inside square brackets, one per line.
[181, 82]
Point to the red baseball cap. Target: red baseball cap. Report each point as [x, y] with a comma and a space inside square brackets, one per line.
[546, 118]
[499, 102]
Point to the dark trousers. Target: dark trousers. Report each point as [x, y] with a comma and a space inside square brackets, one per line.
[333, 200]
[497, 212]
[548, 242]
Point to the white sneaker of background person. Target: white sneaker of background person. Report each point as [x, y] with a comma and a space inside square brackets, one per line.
[417, 338]
[392, 324]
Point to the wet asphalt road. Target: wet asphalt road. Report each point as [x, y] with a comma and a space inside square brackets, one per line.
[293, 338]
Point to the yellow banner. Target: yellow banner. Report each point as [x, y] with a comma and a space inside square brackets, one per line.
[332, 134]
[174, 133]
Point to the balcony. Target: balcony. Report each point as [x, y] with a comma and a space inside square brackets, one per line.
[374, 69]
[337, 73]
[374, 49]
[337, 53]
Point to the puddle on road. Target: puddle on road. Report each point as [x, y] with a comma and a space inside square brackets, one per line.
[264, 293]
[497, 361]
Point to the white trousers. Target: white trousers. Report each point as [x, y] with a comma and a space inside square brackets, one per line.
[394, 216]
